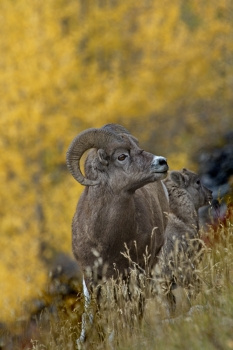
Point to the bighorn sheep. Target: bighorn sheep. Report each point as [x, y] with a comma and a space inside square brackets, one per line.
[180, 253]
[123, 203]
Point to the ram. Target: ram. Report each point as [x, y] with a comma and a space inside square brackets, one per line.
[123, 203]
[181, 252]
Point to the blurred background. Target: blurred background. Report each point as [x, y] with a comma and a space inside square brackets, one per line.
[162, 69]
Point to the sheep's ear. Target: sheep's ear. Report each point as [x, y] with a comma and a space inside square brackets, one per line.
[102, 155]
[178, 178]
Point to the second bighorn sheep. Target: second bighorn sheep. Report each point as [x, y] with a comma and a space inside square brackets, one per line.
[180, 254]
[123, 203]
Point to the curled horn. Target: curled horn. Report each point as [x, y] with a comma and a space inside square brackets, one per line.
[115, 128]
[119, 129]
[90, 138]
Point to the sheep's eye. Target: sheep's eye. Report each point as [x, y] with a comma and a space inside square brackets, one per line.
[198, 182]
[122, 157]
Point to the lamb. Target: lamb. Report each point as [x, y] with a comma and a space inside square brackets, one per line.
[123, 203]
[181, 252]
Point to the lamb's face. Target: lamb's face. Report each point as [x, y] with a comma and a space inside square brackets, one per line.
[200, 194]
[191, 183]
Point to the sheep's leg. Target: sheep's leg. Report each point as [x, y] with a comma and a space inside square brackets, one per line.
[87, 316]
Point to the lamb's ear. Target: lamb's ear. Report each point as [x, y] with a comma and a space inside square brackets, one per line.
[178, 178]
[102, 155]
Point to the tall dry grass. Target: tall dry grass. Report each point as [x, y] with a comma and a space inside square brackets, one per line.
[205, 322]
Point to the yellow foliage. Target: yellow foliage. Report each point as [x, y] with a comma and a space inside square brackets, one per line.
[177, 161]
[163, 69]
[22, 274]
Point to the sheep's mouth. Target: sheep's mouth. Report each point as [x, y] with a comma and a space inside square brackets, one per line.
[162, 172]
[210, 200]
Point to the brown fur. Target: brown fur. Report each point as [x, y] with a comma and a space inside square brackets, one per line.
[127, 208]
[180, 254]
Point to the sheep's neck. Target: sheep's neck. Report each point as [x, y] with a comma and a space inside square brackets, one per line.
[110, 213]
[122, 220]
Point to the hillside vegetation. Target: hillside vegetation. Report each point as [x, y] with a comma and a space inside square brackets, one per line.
[203, 323]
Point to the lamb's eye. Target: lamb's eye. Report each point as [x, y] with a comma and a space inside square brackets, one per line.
[122, 157]
[198, 182]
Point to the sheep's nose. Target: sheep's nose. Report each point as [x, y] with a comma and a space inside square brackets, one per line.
[162, 161]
